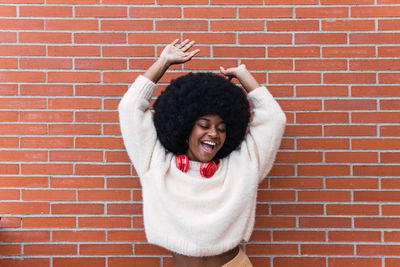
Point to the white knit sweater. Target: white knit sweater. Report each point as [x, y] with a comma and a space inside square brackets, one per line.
[184, 212]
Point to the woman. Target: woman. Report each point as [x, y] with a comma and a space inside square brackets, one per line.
[198, 168]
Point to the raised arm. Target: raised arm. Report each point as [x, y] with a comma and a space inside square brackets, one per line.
[266, 129]
[173, 53]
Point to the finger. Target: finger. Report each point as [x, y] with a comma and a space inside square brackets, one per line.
[183, 44]
[174, 42]
[187, 46]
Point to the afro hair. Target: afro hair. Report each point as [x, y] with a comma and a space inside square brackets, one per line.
[197, 94]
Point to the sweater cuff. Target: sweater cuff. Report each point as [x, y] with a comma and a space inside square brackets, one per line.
[259, 96]
[146, 86]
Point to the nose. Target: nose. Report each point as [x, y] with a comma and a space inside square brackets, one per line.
[212, 132]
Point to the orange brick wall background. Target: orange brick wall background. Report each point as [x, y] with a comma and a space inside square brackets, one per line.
[69, 195]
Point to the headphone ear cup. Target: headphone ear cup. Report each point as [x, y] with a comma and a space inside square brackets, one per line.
[182, 162]
[207, 169]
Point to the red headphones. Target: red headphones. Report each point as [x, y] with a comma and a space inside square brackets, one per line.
[207, 169]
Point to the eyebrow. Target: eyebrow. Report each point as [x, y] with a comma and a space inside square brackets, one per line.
[208, 120]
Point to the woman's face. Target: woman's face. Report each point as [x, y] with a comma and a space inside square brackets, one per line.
[207, 138]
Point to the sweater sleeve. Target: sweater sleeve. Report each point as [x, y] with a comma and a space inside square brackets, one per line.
[263, 139]
[136, 121]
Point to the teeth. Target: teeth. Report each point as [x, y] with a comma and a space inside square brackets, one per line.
[209, 143]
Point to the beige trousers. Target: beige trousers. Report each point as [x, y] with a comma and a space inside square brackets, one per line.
[240, 260]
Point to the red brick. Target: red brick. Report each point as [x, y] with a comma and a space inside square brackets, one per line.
[45, 37]
[101, 11]
[321, 90]
[21, 24]
[100, 169]
[74, 129]
[310, 51]
[326, 249]
[327, 143]
[181, 25]
[351, 157]
[72, 25]
[73, 77]
[323, 170]
[390, 157]
[353, 77]
[350, 51]
[325, 196]
[25, 236]
[320, 38]
[374, 64]
[77, 208]
[352, 209]
[291, 2]
[77, 182]
[303, 130]
[104, 222]
[387, 250]
[265, 12]
[206, 12]
[305, 182]
[93, 116]
[389, 104]
[391, 262]
[356, 262]
[46, 116]
[283, 249]
[382, 117]
[357, 183]
[48, 222]
[299, 261]
[348, 25]
[350, 130]
[24, 207]
[25, 155]
[374, 38]
[100, 38]
[262, 38]
[46, 142]
[105, 249]
[25, 262]
[74, 51]
[50, 249]
[236, 25]
[375, 11]
[297, 235]
[133, 261]
[124, 209]
[131, 236]
[66, 262]
[126, 25]
[354, 236]
[52, 169]
[235, 2]
[294, 78]
[324, 222]
[321, 12]
[8, 11]
[45, 11]
[320, 64]
[388, 51]
[11, 181]
[48, 195]
[297, 209]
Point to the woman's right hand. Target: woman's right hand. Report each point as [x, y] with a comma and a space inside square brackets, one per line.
[175, 53]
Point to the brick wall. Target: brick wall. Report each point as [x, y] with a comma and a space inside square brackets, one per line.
[69, 195]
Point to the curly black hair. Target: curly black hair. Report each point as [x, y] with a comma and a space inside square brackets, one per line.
[193, 95]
